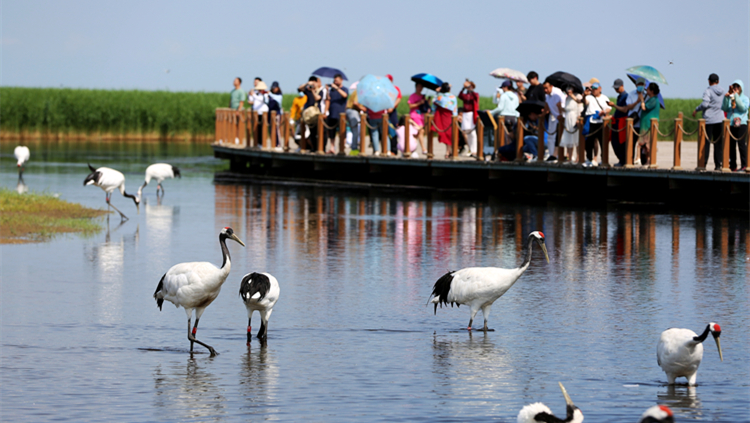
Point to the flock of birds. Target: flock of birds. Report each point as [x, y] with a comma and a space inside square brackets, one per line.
[195, 285]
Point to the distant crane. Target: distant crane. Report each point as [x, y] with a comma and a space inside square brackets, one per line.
[159, 172]
[22, 154]
[479, 287]
[259, 291]
[196, 285]
[680, 351]
[657, 414]
[538, 412]
[109, 180]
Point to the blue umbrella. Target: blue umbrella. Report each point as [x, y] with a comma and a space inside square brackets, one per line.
[648, 72]
[634, 77]
[428, 80]
[376, 93]
[327, 72]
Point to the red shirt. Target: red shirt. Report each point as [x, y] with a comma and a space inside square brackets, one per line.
[374, 115]
[471, 102]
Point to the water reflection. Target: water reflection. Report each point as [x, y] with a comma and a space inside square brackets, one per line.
[683, 400]
[259, 383]
[188, 392]
[21, 187]
[160, 219]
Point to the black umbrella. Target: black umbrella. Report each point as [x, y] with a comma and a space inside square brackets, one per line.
[564, 80]
[327, 72]
[530, 106]
[427, 80]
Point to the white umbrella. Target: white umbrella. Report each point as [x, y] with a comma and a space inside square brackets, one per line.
[507, 73]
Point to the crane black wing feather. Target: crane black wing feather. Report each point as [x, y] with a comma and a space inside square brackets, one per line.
[254, 283]
[176, 172]
[159, 301]
[548, 418]
[442, 288]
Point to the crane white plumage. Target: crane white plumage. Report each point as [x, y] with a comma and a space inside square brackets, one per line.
[680, 351]
[22, 154]
[109, 180]
[479, 287]
[159, 172]
[259, 291]
[538, 412]
[195, 285]
[657, 414]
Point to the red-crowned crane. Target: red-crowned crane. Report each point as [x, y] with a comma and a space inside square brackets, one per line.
[22, 154]
[657, 414]
[108, 180]
[479, 287]
[680, 351]
[159, 172]
[259, 291]
[538, 412]
[196, 285]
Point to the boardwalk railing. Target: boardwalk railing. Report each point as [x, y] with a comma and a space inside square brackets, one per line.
[272, 131]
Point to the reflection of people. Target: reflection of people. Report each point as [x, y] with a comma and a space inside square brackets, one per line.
[735, 104]
[713, 97]
[649, 109]
[469, 116]
[445, 106]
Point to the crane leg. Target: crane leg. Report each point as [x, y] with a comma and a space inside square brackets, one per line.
[262, 331]
[122, 216]
[486, 314]
[191, 338]
[159, 187]
[471, 319]
[249, 331]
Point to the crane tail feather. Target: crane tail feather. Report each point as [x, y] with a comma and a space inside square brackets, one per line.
[159, 298]
[442, 288]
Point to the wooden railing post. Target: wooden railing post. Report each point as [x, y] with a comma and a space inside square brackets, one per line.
[264, 131]
[454, 138]
[540, 140]
[678, 142]
[628, 143]
[407, 135]
[499, 136]
[342, 134]
[242, 127]
[384, 144]
[428, 130]
[321, 134]
[581, 143]
[287, 128]
[725, 147]
[654, 140]
[480, 140]
[519, 141]
[606, 135]
[249, 134]
[254, 129]
[217, 127]
[273, 129]
[362, 133]
[701, 144]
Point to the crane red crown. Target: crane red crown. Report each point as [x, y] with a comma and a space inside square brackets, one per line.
[542, 234]
[717, 328]
[666, 409]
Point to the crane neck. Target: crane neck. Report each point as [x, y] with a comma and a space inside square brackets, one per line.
[226, 259]
[527, 259]
[702, 337]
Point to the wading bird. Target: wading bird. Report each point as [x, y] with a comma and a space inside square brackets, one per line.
[259, 291]
[22, 154]
[196, 285]
[109, 180]
[680, 351]
[538, 412]
[159, 172]
[657, 414]
[479, 287]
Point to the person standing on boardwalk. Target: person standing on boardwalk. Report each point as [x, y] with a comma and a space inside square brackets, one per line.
[335, 104]
[650, 108]
[735, 105]
[419, 105]
[555, 99]
[713, 97]
[237, 102]
[352, 117]
[393, 119]
[259, 99]
[298, 104]
[469, 116]
[597, 108]
[445, 107]
[622, 108]
[311, 110]
[572, 111]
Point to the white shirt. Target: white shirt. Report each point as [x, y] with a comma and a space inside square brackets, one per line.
[259, 101]
[323, 93]
[593, 107]
[557, 96]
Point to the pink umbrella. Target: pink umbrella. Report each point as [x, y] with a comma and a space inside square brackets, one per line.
[507, 73]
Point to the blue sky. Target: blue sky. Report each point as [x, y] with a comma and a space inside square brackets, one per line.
[131, 44]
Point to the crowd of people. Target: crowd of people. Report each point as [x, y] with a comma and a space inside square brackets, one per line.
[558, 109]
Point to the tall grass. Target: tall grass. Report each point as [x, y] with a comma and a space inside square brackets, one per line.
[133, 112]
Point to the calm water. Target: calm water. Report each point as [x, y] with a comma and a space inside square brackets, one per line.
[351, 338]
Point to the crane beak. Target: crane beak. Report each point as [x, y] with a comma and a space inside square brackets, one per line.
[544, 248]
[568, 401]
[718, 345]
[234, 237]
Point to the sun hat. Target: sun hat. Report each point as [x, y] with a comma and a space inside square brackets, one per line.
[261, 86]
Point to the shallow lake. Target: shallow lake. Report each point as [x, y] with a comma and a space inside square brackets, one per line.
[351, 338]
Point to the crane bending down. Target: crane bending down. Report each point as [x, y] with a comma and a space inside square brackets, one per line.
[259, 291]
[657, 414]
[109, 180]
[196, 285]
[22, 154]
[538, 412]
[680, 351]
[479, 287]
[159, 172]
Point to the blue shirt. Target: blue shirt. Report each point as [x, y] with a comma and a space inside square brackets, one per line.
[622, 100]
[337, 102]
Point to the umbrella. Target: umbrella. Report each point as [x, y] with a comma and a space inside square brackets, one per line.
[634, 77]
[530, 106]
[327, 72]
[563, 80]
[376, 93]
[506, 73]
[427, 80]
[649, 73]
[353, 86]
